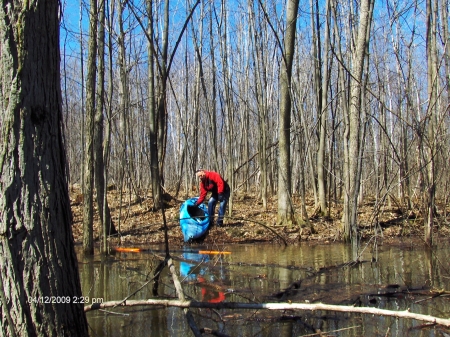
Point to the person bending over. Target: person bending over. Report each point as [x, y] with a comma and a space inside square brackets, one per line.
[213, 182]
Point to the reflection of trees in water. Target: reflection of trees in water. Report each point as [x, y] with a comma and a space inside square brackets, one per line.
[398, 279]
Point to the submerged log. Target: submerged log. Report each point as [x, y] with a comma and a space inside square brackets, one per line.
[272, 306]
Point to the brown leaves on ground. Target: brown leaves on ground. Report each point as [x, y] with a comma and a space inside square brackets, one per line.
[140, 225]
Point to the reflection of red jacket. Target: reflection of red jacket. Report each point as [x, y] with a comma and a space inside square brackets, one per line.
[212, 182]
[209, 295]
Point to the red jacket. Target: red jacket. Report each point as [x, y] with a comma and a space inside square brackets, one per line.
[212, 182]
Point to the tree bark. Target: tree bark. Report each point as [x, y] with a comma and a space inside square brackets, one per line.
[38, 260]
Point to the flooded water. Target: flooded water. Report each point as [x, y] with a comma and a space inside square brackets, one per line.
[394, 277]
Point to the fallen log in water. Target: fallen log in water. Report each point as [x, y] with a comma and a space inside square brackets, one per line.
[271, 306]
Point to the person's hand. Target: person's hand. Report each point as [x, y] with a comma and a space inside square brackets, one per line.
[220, 197]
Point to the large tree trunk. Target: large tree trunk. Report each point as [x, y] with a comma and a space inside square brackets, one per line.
[285, 210]
[38, 260]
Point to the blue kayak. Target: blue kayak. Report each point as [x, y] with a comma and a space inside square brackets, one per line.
[194, 220]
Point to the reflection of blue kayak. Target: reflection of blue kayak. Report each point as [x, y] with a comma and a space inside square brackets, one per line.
[188, 270]
[194, 219]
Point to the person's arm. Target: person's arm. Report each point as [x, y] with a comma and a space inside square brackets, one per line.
[202, 195]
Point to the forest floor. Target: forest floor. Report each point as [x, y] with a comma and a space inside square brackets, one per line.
[250, 223]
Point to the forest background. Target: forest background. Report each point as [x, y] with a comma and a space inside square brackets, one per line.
[339, 102]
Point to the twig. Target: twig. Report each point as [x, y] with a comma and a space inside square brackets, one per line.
[115, 313]
[327, 332]
[135, 292]
[261, 224]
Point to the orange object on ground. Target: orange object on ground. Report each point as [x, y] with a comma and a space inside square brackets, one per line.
[127, 250]
[141, 250]
[212, 252]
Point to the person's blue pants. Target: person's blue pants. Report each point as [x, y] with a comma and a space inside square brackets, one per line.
[212, 208]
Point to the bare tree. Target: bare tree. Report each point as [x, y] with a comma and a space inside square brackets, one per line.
[261, 92]
[38, 260]
[432, 112]
[160, 59]
[285, 209]
[322, 79]
[88, 183]
[228, 104]
[100, 167]
[352, 173]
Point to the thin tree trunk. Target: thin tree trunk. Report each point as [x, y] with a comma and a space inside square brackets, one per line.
[430, 192]
[212, 111]
[285, 209]
[199, 80]
[154, 167]
[162, 99]
[82, 93]
[322, 100]
[124, 107]
[229, 116]
[100, 167]
[261, 98]
[109, 113]
[446, 40]
[353, 127]
[88, 188]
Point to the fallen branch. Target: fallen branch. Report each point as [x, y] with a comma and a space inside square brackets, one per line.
[180, 294]
[271, 306]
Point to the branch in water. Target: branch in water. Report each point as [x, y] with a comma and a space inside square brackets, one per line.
[271, 306]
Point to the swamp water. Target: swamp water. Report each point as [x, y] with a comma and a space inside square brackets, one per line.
[394, 277]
